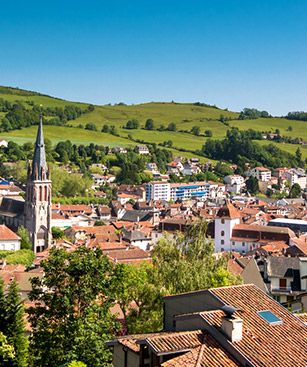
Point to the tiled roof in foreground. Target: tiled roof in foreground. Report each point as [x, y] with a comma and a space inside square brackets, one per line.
[209, 354]
[264, 344]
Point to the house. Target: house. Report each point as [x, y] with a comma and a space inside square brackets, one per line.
[297, 176]
[3, 143]
[121, 150]
[152, 167]
[234, 183]
[175, 167]
[142, 149]
[9, 240]
[228, 326]
[190, 168]
[261, 173]
[232, 235]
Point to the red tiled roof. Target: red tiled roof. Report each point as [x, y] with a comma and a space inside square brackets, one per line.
[263, 344]
[175, 342]
[7, 234]
[209, 354]
[228, 211]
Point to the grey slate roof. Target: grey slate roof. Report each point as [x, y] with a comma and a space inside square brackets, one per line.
[39, 164]
[11, 207]
[282, 267]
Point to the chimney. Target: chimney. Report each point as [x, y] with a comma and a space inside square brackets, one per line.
[232, 326]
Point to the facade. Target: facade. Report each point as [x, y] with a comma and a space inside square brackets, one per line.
[261, 173]
[234, 183]
[9, 240]
[298, 226]
[157, 191]
[227, 217]
[37, 209]
[297, 176]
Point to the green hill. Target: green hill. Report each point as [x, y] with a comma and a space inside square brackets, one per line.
[185, 115]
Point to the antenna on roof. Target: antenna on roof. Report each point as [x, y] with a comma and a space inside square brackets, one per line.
[229, 310]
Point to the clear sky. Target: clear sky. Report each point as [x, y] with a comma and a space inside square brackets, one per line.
[232, 53]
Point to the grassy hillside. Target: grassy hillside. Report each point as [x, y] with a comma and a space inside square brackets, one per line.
[185, 115]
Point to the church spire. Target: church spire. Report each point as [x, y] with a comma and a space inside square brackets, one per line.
[39, 164]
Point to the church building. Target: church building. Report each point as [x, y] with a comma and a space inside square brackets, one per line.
[35, 212]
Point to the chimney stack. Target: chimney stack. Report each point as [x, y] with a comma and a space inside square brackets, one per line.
[232, 326]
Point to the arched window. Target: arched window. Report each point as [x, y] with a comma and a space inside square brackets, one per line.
[223, 221]
[222, 233]
[46, 193]
[40, 193]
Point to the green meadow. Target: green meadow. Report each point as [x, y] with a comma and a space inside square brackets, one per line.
[185, 115]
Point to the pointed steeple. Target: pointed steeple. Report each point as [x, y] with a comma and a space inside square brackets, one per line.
[39, 164]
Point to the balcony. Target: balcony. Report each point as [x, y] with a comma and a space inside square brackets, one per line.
[282, 290]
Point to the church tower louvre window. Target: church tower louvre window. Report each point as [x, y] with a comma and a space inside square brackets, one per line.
[37, 214]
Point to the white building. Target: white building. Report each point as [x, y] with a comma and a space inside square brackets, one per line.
[227, 217]
[297, 176]
[9, 240]
[158, 190]
[234, 183]
[142, 149]
[261, 173]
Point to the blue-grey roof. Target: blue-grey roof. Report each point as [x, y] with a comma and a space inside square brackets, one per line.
[39, 164]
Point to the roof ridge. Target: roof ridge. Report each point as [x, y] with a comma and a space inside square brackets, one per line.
[200, 355]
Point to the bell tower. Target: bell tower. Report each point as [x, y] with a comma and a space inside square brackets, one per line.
[37, 215]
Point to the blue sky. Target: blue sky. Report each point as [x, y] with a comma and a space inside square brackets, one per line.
[232, 53]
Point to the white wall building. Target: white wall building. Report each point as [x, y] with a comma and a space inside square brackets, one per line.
[9, 240]
[234, 183]
[158, 190]
[297, 176]
[227, 217]
[261, 173]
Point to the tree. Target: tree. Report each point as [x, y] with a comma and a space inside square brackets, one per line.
[132, 124]
[15, 327]
[195, 130]
[136, 287]
[186, 263]
[7, 353]
[91, 126]
[295, 191]
[298, 154]
[105, 128]
[25, 243]
[208, 133]
[252, 185]
[149, 124]
[172, 127]
[72, 319]
[57, 233]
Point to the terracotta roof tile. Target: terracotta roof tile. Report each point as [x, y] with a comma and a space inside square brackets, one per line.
[282, 345]
[7, 234]
[209, 354]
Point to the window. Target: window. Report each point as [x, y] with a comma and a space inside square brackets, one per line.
[282, 283]
[269, 317]
[222, 249]
[222, 242]
[233, 243]
[223, 233]
[223, 221]
[243, 243]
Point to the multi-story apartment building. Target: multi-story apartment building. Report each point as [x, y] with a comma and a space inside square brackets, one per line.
[297, 176]
[203, 190]
[158, 190]
[261, 173]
